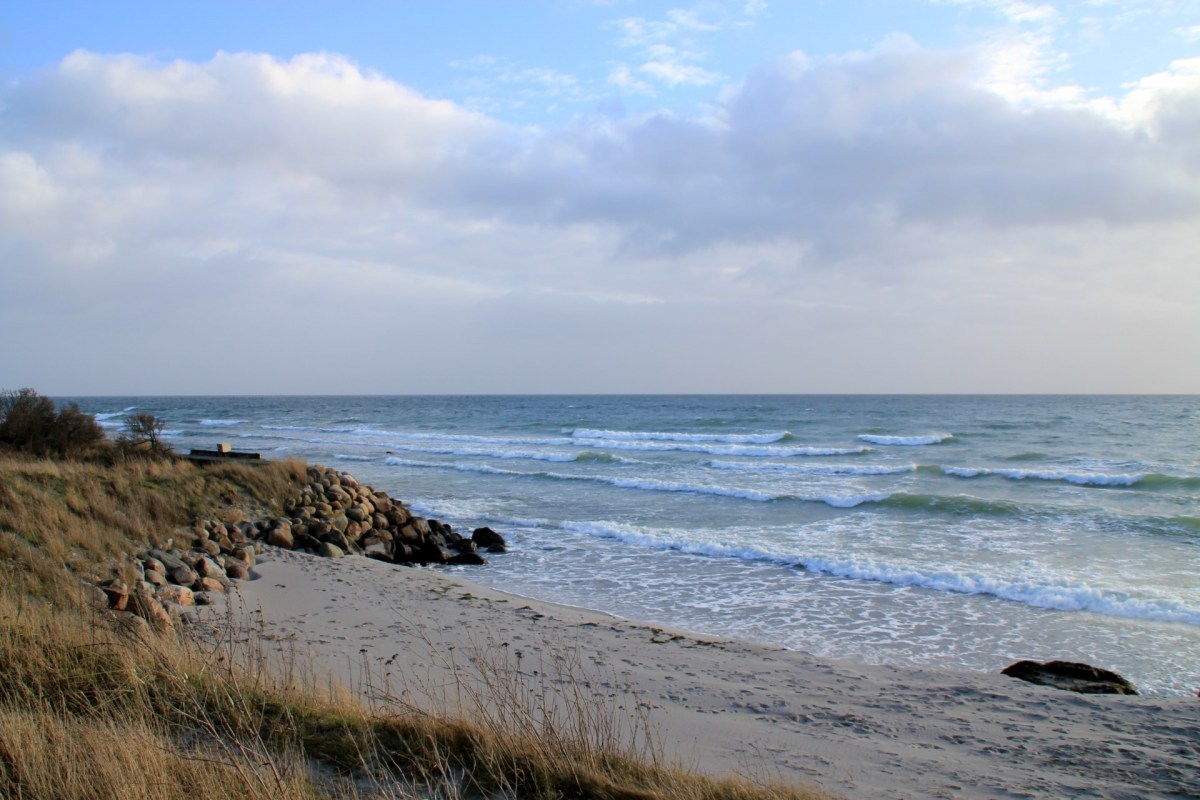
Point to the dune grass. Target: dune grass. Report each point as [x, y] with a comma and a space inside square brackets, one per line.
[89, 709]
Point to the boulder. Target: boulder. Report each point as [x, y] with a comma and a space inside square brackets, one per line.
[244, 554]
[180, 595]
[280, 535]
[183, 575]
[470, 559]
[306, 542]
[1071, 676]
[208, 568]
[489, 540]
[330, 550]
[237, 570]
[168, 560]
[211, 585]
[432, 553]
[144, 604]
[98, 598]
[117, 594]
[339, 539]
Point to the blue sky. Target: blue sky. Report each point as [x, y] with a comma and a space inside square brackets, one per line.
[954, 195]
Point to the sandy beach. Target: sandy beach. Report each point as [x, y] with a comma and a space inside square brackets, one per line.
[722, 706]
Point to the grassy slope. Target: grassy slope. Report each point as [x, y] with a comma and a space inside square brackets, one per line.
[90, 711]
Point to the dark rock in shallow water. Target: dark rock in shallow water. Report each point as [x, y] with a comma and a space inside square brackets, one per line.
[489, 540]
[470, 559]
[1070, 675]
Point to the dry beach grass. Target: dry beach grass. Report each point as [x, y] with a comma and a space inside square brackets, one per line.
[93, 709]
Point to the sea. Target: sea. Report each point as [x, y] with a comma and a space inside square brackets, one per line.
[958, 532]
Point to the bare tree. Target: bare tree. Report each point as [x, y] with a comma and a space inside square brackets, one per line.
[144, 430]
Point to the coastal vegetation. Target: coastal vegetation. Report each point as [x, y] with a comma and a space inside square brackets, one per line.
[93, 707]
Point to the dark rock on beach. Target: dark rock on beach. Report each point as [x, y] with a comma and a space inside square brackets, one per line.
[1071, 676]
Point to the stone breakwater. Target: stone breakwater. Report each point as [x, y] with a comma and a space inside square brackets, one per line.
[333, 515]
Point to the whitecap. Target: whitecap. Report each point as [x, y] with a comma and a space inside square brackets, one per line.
[906, 441]
[1077, 478]
[661, 436]
[1060, 596]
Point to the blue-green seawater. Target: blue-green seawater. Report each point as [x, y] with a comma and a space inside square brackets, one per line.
[948, 531]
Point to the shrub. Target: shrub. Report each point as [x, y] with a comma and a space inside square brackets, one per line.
[29, 423]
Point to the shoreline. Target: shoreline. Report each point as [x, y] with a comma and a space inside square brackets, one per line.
[725, 706]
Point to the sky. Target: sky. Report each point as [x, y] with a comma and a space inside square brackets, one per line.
[380, 197]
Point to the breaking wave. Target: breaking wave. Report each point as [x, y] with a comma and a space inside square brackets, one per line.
[906, 441]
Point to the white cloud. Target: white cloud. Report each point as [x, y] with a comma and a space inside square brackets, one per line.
[670, 48]
[859, 209]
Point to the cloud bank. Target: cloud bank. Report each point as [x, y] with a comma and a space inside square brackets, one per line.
[877, 221]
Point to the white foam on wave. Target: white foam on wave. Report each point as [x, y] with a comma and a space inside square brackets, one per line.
[775, 451]
[1049, 594]
[310, 428]
[815, 469]
[1077, 478]
[221, 423]
[681, 541]
[348, 457]
[113, 419]
[1059, 596]
[652, 485]
[661, 436]
[906, 441]
[464, 438]
[527, 455]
